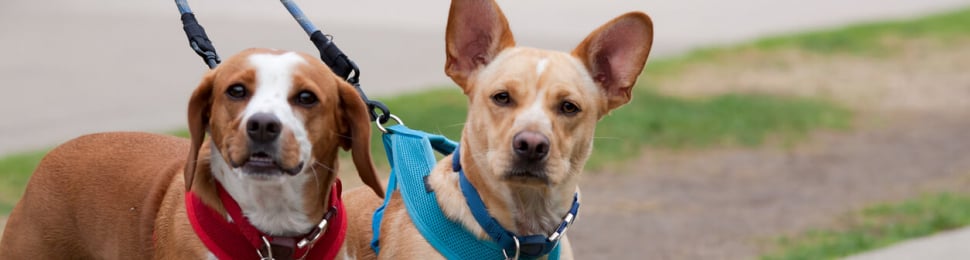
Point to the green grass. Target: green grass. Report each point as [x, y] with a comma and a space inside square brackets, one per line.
[184, 133]
[871, 37]
[735, 119]
[868, 39]
[879, 226]
[14, 172]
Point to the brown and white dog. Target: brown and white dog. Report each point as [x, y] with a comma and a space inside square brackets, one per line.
[532, 115]
[276, 121]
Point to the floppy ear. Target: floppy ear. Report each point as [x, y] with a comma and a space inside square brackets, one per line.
[199, 107]
[477, 32]
[357, 139]
[615, 53]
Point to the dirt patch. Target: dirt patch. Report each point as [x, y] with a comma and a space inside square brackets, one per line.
[731, 204]
[925, 76]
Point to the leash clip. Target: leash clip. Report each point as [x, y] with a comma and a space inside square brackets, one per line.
[506, 254]
[380, 125]
[269, 250]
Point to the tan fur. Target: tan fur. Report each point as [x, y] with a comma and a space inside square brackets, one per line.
[121, 195]
[481, 58]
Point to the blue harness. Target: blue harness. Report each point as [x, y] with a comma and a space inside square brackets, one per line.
[411, 155]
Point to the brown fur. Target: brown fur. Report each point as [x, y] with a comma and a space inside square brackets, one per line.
[481, 58]
[121, 195]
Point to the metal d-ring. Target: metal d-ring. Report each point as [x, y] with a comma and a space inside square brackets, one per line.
[506, 254]
[269, 250]
[381, 127]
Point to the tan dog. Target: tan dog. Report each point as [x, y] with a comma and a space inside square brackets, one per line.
[276, 121]
[532, 115]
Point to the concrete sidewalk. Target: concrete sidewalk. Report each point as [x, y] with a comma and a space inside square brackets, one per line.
[953, 244]
[74, 67]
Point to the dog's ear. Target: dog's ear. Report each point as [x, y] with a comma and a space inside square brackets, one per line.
[477, 32]
[615, 54]
[199, 108]
[356, 120]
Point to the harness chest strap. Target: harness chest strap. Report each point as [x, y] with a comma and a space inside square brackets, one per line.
[240, 240]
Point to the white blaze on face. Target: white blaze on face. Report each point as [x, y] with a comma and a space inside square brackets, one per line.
[534, 117]
[541, 67]
[274, 81]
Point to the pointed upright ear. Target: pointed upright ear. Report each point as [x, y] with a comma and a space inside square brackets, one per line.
[477, 32]
[199, 108]
[615, 53]
[357, 138]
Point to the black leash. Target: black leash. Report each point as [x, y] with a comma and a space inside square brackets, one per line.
[338, 62]
[198, 40]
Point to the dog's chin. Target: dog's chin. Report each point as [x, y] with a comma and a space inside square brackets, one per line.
[527, 177]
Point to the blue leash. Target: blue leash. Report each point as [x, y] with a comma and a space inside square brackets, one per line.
[411, 155]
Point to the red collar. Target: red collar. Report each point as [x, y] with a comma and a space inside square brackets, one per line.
[241, 240]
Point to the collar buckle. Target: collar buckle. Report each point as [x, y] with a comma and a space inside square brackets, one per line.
[318, 231]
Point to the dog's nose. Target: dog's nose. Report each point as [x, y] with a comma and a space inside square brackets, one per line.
[530, 145]
[263, 127]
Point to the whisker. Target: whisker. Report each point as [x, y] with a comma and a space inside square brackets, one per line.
[327, 167]
[607, 137]
[315, 178]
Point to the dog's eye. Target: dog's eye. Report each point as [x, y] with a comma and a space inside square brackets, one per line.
[502, 98]
[306, 98]
[568, 108]
[236, 91]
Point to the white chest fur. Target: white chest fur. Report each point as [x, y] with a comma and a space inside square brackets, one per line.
[274, 207]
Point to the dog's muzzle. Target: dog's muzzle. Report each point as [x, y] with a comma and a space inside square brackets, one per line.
[531, 149]
[264, 130]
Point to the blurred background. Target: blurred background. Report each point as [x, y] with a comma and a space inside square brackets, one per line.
[757, 126]
[74, 67]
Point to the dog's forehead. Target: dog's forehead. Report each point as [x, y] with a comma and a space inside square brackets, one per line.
[274, 81]
[275, 65]
[538, 67]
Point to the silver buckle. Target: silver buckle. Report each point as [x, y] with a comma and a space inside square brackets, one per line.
[320, 229]
[506, 254]
[319, 232]
[269, 250]
[555, 236]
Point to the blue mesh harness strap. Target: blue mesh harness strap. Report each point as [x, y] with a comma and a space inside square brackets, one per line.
[411, 156]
